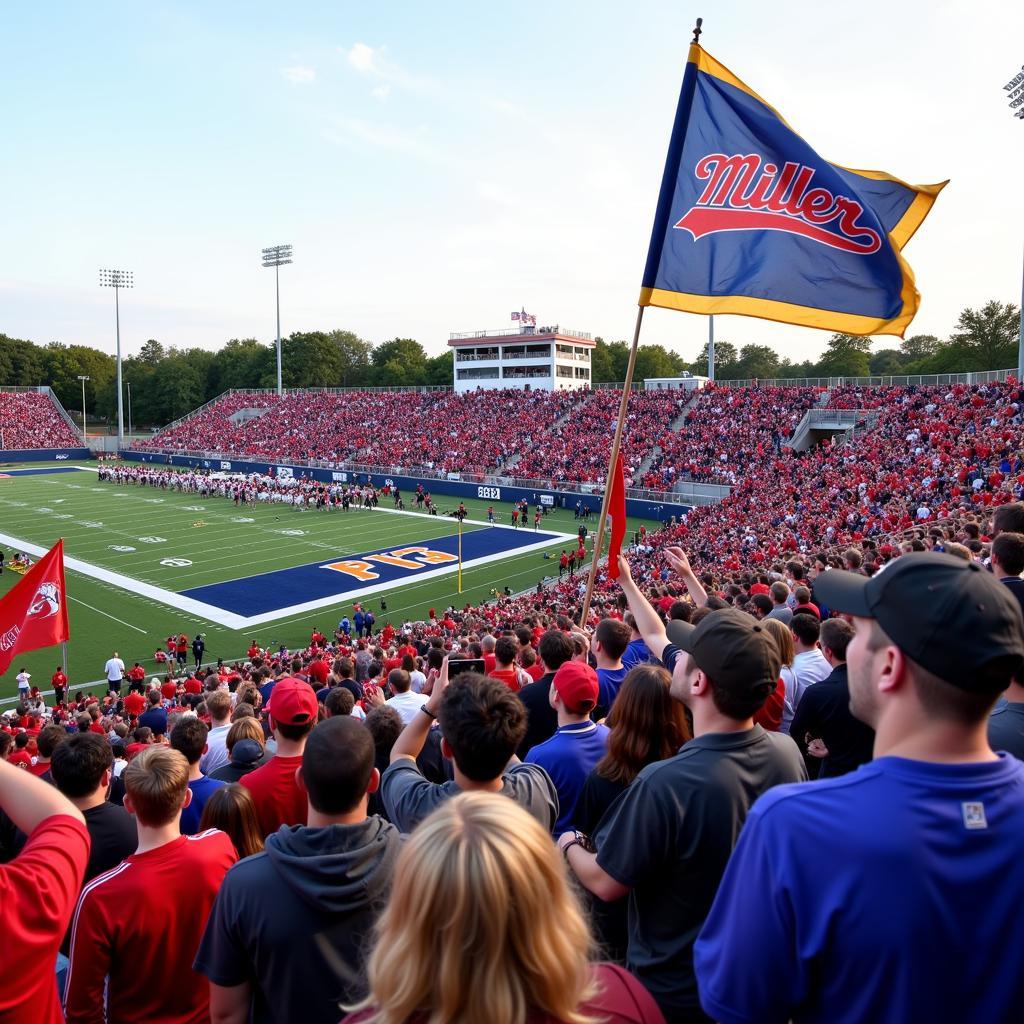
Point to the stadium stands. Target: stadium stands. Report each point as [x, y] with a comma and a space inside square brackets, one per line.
[928, 470]
[32, 420]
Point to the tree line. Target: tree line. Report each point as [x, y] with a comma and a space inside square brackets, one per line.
[167, 382]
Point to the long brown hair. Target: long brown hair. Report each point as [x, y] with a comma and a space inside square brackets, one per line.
[231, 809]
[646, 725]
[782, 636]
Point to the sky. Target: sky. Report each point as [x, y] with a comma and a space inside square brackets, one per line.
[436, 167]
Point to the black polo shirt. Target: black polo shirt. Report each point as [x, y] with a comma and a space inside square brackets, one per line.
[669, 837]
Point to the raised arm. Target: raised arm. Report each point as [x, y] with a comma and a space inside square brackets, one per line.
[681, 564]
[410, 741]
[648, 622]
[29, 801]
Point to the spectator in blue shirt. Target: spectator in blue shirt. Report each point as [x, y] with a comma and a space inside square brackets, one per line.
[607, 645]
[189, 737]
[892, 894]
[571, 754]
[154, 717]
[637, 652]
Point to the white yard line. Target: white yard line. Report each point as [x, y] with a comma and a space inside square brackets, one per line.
[99, 611]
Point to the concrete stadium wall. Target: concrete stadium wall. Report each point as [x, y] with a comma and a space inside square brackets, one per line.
[454, 488]
[44, 454]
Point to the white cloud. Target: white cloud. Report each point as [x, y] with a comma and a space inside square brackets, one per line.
[381, 92]
[371, 61]
[298, 75]
[363, 58]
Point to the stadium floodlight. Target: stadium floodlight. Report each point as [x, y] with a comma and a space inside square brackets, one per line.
[83, 378]
[118, 279]
[278, 256]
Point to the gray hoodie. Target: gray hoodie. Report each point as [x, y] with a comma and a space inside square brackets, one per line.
[295, 920]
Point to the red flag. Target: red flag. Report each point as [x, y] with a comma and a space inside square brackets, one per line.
[617, 510]
[35, 613]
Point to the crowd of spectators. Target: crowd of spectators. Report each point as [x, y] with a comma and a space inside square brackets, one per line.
[577, 449]
[271, 797]
[437, 430]
[726, 432]
[31, 419]
[814, 671]
[559, 437]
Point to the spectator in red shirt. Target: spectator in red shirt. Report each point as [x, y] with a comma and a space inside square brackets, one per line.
[169, 689]
[134, 703]
[21, 758]
[136, 678]
[275, 790]
[59, 682]
[37, 892]
[129, 964]
[46, 743]
[505, 650]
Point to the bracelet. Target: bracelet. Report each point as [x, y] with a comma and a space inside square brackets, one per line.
[430, 714]
[575, 841]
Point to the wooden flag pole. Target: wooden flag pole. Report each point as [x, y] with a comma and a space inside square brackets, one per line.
[616, 441]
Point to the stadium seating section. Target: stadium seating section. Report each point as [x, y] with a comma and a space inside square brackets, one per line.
[31, 420]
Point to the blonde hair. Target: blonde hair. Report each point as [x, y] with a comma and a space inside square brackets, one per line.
[783, 639]
[481, 925]
[156, 779]
[244, 729]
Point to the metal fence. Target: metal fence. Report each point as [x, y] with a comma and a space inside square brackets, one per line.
[905, 380]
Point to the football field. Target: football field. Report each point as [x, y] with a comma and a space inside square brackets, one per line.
[143, 563]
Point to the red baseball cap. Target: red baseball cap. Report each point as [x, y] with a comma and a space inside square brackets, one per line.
[292, 702]
[576, 683]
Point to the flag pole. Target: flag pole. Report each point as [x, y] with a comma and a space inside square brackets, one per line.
[613, 458]
[460, 554]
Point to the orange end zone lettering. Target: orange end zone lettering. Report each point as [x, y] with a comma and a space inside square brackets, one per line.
[427, 555]
[394, 559]
[355, 567]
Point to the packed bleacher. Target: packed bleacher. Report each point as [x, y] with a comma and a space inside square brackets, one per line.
[726, 432]
[577, 448]
[31, 420]
[625, 820]
[431, 430]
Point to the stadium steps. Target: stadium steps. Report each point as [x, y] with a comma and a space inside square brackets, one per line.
[819, 424]
[504, 470]
[673, 428]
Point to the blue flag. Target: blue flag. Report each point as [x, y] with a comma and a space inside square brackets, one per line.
[751, 220]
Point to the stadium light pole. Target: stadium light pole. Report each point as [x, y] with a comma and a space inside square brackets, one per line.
[83, 378]
[278, 256]
[118, 279]
[128, 385]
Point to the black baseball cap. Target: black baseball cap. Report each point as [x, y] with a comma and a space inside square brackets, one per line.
[731, 648]
[949, 615]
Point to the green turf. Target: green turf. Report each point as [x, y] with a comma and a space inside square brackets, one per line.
[41, 509]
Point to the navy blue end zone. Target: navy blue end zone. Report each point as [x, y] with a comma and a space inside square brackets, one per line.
[270, 592]
[42, 472]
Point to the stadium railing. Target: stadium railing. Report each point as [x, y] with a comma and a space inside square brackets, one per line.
[905, 380]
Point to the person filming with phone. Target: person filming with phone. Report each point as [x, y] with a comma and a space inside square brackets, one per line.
[482, 723]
